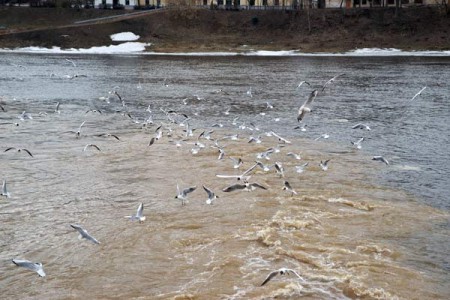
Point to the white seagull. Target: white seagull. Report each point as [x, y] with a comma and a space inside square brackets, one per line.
[283, 140]
[301, 83]
[19, 150]
[357, 144]
[419, 93]
[84, 234]
[211, 195]
[139, 214]
[279, 168]
[246, 187]
[294, 155]
[287, 187]
[282, 271]
[305, 108]
[380, 158]
[361, 126]
[183, 194]
[330, 81]
[324, 165]
[236, 162]
[91, 146]
[301, 169]
[36, 267]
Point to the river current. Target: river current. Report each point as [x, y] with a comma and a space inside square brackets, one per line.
[361, 229]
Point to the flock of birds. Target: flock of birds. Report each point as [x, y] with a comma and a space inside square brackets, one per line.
[242, 179]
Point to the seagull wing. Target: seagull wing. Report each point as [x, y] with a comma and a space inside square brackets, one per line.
[234, 187]
[10, 148]
[140, 210]
[249, 170]
[209, 192]
[82, 124]
[257, 185]
[188, 190]
[269, 277]
[29, 153]
[228, 176]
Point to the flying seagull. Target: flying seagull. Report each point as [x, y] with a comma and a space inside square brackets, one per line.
[287, 187]
[357, 144]
[418, 94]
[381, 158]
[305, 108]
[84, 234]
[139, 214]
[78, 132]
[282, 271]
[301, 169]
[183, 194]
[324, 165]
[361, 126]
[57, 111]
[236, 162]
[246, 187]
[301, 83]
[108, 135]
[283, 140]
[211, 195]
[36, 267]
[279, 168]
[294, 155]
[19, 150]
[72, 62]
[330, 81]
[91, 146]
[264, 167]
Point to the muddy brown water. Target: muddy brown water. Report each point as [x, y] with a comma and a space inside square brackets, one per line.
[346, 233]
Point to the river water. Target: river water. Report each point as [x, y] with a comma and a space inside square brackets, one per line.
[361, 229]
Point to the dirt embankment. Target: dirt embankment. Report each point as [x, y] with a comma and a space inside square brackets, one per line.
[420, 28]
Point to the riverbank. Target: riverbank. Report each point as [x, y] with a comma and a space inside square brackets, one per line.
[204, 30]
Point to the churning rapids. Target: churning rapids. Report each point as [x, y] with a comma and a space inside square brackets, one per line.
[361, 229]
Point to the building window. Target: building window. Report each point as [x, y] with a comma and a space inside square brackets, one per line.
[356, 2]
[127, 2]
[264, 2]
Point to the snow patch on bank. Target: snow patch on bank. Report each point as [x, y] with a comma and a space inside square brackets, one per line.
[139, 48]
[124, 48]
[124, 37]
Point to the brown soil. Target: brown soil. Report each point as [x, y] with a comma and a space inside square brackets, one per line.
[420, 28]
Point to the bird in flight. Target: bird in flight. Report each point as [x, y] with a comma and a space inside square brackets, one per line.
[282, 271]
[183, 194]
[211, 195]
[380, 158]
[306, 108]
[84, 234]
[36, 267]
[330, 81]
[418, 94]
[19, 150]
[139, 214]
